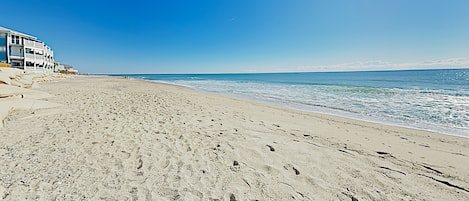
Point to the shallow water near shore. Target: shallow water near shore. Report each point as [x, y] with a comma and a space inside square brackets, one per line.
[434, 100]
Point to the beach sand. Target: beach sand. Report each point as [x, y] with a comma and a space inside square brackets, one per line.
[117, 139]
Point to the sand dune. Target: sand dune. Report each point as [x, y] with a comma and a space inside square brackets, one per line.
[119, 139]
[15, 93]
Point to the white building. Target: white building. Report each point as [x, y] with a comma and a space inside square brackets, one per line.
[64, 68]
[25, 52]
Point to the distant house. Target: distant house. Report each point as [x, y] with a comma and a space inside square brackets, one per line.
[64, 68]
[26, 52]
[71, 70]
[59, 67]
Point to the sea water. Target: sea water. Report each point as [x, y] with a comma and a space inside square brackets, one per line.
[434, 100]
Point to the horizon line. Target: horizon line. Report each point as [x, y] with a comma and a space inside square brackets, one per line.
[284, 72]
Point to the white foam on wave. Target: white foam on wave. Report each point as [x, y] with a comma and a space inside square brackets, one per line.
[438, 110]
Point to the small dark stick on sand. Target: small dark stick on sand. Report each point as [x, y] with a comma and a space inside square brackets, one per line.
[296, 171]
[270, 147]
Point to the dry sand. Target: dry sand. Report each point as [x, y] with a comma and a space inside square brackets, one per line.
[119, 139]
[15, 95]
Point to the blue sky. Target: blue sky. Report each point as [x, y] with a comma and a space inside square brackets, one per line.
[218, 36]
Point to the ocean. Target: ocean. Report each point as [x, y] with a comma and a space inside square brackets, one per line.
[434, 100]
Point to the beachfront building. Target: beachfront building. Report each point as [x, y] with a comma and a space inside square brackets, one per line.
[19, 50]
[64, 68]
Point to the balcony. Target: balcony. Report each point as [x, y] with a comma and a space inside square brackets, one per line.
[29, 43]
[16, 57]
[39, 45]
[16, 45]
[29, 56]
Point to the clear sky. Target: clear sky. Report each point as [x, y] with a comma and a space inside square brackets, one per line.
[217, 36]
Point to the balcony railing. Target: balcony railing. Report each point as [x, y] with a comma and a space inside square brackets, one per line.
[29, 56]
[16, 56]
[29, 43]
[16, 44]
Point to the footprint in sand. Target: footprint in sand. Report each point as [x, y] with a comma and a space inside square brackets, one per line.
[139, 163]
[133, 191]
[287, 166]
[235, 167]
[125, 154]
[118, 164]
[232, 197]
[165, 164]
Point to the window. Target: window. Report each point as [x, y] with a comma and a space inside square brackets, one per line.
[28, 63]
[15, 39]
[29, 51]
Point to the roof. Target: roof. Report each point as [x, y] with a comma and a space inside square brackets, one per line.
[5, 30]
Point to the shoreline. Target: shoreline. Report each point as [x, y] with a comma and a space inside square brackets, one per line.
[357, 117]
[115, 138]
